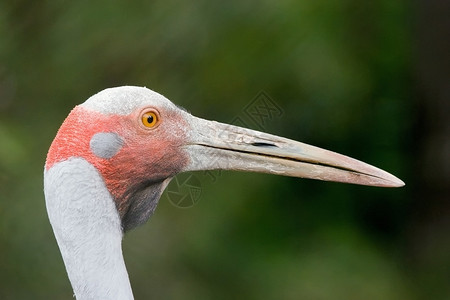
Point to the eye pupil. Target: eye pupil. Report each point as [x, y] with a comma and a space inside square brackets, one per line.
[150, 119]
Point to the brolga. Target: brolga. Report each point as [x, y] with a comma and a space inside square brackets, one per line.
[115, 154]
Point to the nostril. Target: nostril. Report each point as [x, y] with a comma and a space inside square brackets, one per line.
[262, 144]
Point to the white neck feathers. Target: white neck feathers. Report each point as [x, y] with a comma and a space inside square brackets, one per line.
[88, 230]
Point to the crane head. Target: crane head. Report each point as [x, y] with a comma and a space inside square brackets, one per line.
[138, 141]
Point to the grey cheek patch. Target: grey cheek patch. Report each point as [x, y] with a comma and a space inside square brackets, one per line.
[106, 144]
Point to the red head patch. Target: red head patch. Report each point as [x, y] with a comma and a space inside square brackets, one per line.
[141, 157]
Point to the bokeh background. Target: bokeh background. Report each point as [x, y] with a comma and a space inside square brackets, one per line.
[366, 78]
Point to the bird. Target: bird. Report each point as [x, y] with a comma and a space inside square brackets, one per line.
[114, 155]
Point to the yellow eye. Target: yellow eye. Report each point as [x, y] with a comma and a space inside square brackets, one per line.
[150, 119]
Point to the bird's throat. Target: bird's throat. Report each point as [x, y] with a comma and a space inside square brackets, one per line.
[139, 203]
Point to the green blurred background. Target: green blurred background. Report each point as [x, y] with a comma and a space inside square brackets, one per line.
[366, 78]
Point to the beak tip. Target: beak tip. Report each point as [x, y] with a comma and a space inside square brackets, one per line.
[399, 183]
[395, 182]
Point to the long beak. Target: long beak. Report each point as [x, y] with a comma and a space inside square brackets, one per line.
[214, 145]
